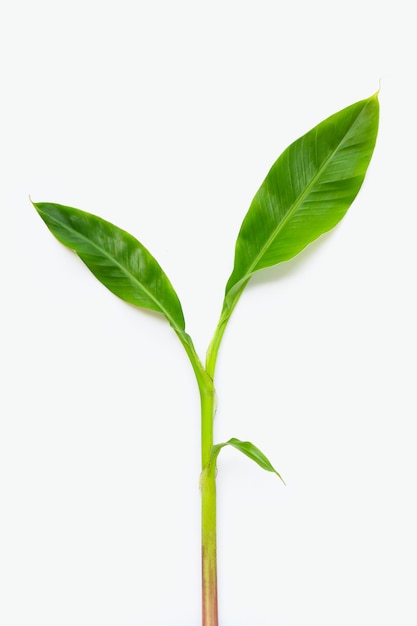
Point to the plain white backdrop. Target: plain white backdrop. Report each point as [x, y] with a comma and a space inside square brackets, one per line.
[164, 117]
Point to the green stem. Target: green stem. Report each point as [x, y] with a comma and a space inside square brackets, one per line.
[207, 484]
[209, 454]
[208, 505]
[214, 347]
[228, 307]
[208, 545]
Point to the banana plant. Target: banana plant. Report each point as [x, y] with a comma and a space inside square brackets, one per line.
[306, 193]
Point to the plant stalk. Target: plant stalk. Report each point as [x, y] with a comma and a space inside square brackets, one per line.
[208, 467]
[208, 546]
[208, 507]
[207, 483]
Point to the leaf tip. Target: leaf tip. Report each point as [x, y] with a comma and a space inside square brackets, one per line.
[36, 205]
[280, 477]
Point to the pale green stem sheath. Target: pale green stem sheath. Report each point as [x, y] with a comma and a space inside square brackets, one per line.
[208, 545]
[209, 454]
[208, 506]
[208, 476]
[207, 486]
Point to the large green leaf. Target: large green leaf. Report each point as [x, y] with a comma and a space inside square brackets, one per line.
[306, 193]
[116, 258]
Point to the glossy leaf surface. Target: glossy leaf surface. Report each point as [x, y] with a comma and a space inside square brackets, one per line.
[116, 258]
[306, 192]
[251, 451]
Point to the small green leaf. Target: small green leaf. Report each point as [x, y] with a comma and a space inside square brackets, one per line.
[306, 193]
[246, 447]
[116, 258]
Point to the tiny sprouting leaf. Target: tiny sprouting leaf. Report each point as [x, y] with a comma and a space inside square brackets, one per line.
[306, 192]
[251, 451]
[116, 258]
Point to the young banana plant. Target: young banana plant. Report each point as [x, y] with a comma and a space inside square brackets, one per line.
[305, 194]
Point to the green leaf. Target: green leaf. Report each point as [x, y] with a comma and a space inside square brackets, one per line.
[251, 451]
[116, 258]
[306, 193]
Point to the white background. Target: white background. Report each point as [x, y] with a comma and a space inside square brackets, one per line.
[164, 117]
